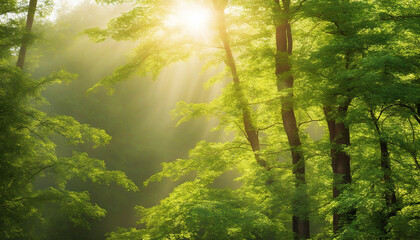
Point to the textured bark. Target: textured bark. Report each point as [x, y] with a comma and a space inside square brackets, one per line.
[340, 160]
[25, 40]
[250, 130]
[284, 47]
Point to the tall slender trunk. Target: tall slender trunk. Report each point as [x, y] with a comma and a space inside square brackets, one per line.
[250, 130]
[389, 192]
[340, 160]
[284, 47]
[25, 40]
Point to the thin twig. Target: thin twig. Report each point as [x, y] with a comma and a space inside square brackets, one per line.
[272, 125]
[298, 7]
[316, 120]
[246, 135]
[42, 169]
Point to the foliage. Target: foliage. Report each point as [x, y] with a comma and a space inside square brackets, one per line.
[357, 51]
[358, 60]
[359, 54]
[28, 150]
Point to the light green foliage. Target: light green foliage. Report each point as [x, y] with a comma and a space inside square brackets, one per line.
[257, 210]
[157, 47]
[194, 212]
[364, 52]
[28, 150]
[76, 204]
[83, 167]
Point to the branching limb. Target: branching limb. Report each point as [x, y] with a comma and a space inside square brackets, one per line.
[270, 126]
[42, 169]
[312, 120]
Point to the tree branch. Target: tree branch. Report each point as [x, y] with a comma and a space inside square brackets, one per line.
[272, 125]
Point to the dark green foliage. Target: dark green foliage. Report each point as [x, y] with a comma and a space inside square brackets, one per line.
[28, 150]
[360, 59]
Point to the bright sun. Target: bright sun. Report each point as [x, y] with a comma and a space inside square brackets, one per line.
[191, 18]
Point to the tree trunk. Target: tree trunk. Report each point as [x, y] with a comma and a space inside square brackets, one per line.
[25, 40]
[285, 80]
[250, 130]
[389, 192]
[340, 161]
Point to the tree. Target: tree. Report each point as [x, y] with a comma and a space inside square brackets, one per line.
[28, 29]
[344, 22]
[28, 150]
[232, 107]
[284, 47]
[358, 76]
[341, 76]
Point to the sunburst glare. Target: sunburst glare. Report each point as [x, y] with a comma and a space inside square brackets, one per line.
[189, 18]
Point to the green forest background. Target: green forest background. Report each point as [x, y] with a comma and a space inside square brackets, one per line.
[136, 115]
[259, 127]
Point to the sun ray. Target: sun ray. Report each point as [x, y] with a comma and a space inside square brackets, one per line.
[190, 18]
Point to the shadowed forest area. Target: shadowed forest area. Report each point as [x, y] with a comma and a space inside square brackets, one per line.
[209, 119]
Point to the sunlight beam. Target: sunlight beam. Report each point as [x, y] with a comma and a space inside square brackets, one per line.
[190, 18]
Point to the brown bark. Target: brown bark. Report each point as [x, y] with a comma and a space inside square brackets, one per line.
[284, 47]
[250, 130]
[389, 193]
[340, 160]
[25, 40]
